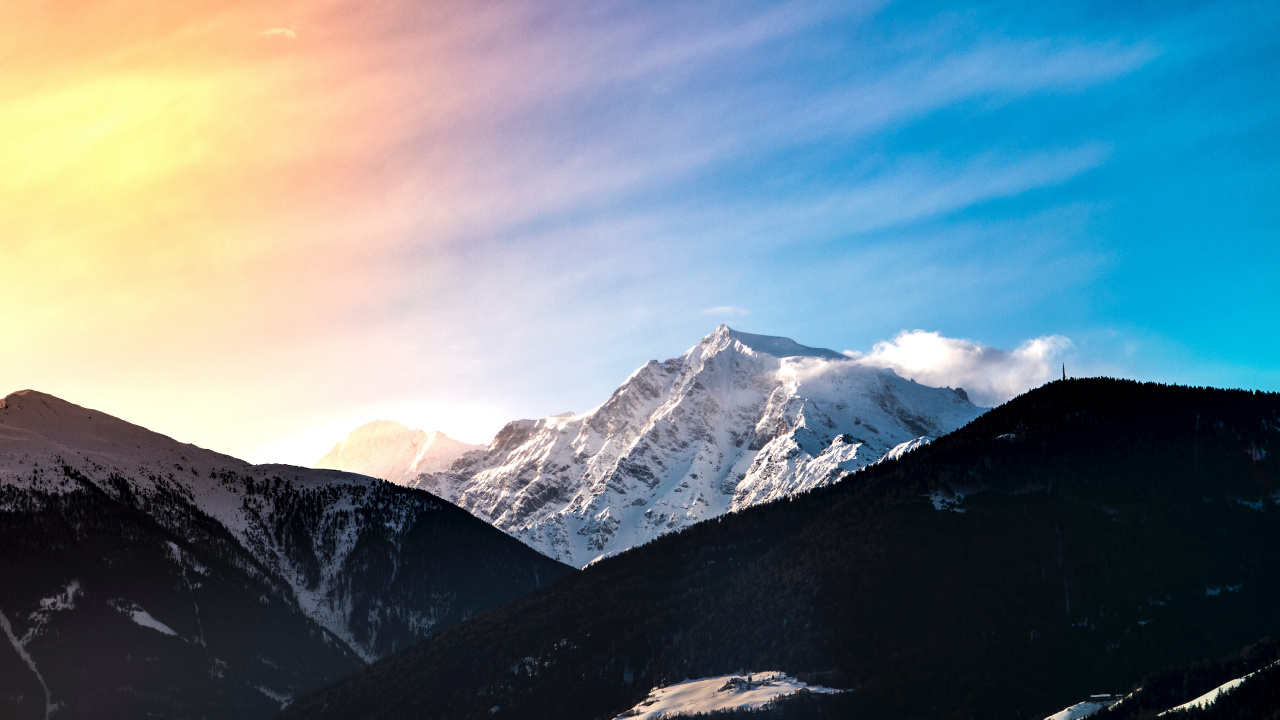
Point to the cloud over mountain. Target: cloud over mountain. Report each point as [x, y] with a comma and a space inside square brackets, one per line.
[990, 375]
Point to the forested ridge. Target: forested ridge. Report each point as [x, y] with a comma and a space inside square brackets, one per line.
[1063, 544]
[1256, 699]
[130, 601]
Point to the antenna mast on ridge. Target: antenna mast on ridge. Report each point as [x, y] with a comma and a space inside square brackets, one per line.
[1064, 371]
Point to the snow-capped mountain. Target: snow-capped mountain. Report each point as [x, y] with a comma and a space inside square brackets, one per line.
[391, 451]
[737, 420]
[145, 577]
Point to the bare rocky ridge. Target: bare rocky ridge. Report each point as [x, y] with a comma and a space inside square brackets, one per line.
[391, 451]
[738, 420]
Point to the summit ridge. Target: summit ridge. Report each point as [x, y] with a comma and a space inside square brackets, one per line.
[779, 347]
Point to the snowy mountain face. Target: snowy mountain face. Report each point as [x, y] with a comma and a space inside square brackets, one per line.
[391, 451]
[147, 577]
[737, 420]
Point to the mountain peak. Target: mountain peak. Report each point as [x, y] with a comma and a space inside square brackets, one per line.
[738, 419]
[779, 347]
[37, 422]
[23, 398]
[392, 451]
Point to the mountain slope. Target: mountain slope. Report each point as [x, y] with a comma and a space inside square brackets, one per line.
[391, 451]
[738, 420]
[1069, 540]
[145, 576]
[1241, 685]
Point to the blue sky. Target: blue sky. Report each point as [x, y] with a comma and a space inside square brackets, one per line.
[523, 202]
[999, 172]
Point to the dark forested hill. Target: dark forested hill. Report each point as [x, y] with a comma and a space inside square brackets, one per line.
[1256, 698]
[140, 577]
[1063, 544]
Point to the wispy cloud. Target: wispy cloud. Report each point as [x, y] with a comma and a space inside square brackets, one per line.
[608, 113]
[280, 32]
[912, 189]
[727, 311]
[919, 81]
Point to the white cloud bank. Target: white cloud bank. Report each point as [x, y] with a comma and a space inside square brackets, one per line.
[989, 375]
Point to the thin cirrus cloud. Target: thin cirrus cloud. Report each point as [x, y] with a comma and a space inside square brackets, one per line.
[922, 82]
[915, 189]
[631, 148]
[989, 375]
[727, 311]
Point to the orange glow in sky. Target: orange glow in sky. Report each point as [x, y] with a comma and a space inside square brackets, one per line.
[198, 193]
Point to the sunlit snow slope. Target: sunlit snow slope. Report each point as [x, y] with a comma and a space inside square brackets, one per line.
[718, 694]
[737, 420]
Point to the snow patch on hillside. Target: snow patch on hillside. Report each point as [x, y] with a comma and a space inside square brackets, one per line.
[1212, 696]
[64, 599]
[1081, 710]
[947, 499]
[50, 707]
[726, 692]
[282, 698]
[134, 612]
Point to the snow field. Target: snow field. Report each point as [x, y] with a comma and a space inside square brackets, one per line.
[726, 692]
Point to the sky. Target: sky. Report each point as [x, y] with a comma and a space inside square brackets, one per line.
[256, 224]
